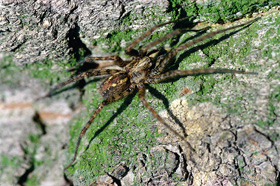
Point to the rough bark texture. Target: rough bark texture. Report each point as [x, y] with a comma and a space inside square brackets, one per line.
[231, 121]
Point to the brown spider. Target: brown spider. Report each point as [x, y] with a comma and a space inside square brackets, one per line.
[144, 68]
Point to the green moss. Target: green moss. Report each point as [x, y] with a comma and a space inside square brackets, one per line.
[212, 11]
[45, 70]
[33, 180]
[124, 134]
[227, 50]
[217, 49]
[273, 109]
[226, 10]
[9, 161]
[8, 70]
[116, 135]
[8, 165]
[114, 39]
[206, 87]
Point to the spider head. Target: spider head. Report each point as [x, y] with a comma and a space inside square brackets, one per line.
[140, 70]
[144, 64]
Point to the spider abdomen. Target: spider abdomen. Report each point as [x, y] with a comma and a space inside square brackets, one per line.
[114, 85]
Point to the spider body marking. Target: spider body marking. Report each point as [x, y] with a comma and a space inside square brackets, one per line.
[144, 68]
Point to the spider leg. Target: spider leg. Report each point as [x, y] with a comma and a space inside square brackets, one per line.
[95, 113]
[83, 131]
[116, 60]
[193, 72]
[174, 52]
[141, 94]
[89, 73]
[144, 50]
[112, 60]
[211, 34]
[130, 51]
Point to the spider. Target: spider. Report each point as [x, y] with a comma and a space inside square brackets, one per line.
[145, 67]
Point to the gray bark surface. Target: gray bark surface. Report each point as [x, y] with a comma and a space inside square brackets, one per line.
[236, 140]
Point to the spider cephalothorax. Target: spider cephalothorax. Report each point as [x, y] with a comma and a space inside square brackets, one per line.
[144, 68]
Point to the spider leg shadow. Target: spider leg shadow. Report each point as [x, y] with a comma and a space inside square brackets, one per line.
[83, 66]
[175, 65]
[165, 101]
[79, 84]
[176, 38]
[123, 106]
[187, 52]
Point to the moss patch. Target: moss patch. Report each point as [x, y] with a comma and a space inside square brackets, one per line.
[123, 134]
[119, 133]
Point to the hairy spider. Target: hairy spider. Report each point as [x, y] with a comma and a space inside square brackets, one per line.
[144, 68]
